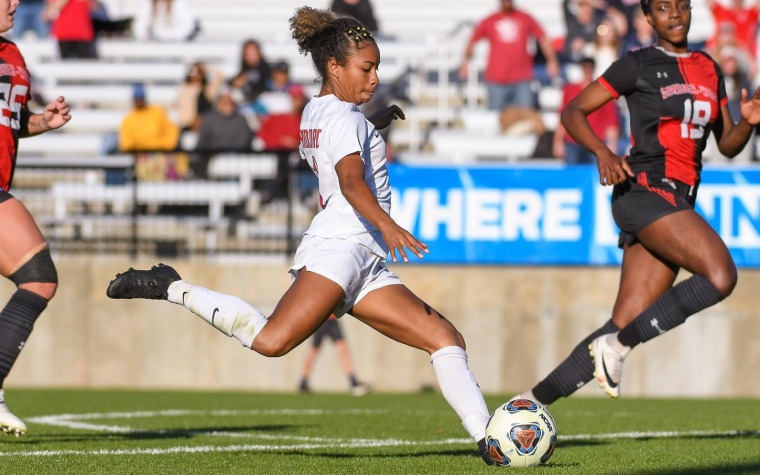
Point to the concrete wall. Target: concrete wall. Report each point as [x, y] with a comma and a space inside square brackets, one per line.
[518, 322]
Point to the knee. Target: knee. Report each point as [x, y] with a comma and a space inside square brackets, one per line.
[272, 346]
[44, 290]
[450, 337]
[724, 279]
[37, 275]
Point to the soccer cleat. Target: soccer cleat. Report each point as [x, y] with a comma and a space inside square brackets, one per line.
[9, 423]
[608, 364]
[143, 284]
[361, 389]
[485, 452]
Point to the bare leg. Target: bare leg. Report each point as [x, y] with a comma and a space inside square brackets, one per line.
[409, 320]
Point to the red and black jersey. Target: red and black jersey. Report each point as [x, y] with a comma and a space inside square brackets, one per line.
[673, 101]
[14, 94]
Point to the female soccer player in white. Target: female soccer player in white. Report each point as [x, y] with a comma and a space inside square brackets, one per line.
[340, 264]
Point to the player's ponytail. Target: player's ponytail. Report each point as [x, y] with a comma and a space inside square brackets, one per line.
[306, 25]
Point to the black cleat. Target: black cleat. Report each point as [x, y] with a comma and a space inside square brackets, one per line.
[485, 453]
[143, 284]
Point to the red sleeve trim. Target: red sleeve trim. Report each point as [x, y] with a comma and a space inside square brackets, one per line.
[608, 86]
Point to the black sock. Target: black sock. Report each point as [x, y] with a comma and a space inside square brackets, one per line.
[352, 380]
[16, 323]
[670, 310]
[573, 373]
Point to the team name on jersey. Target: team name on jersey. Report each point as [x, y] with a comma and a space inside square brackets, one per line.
[694, 89]
[12, 70]
[310, 138]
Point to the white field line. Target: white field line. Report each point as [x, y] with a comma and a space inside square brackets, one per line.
[304, 443]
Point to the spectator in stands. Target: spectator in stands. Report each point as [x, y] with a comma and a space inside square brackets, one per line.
[280, 80]
[727, 38]
[197, 94]
[279, 129]
[625, 10]
[165, 20]
[72, 28]
[331, 329]
[735, 77]
[25, 258]
[359, 9]
[254, 73]
[224, 129]
[743, 17]
[605, 121]
[641, 35]
[109, 19]
[607, 45]
[509, 72]
[146, 127]
[29, 17]
[581, 20]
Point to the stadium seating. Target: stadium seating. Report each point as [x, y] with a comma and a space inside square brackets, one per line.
[420, 42]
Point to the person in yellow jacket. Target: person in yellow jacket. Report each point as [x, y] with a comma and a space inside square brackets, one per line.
[147, 127]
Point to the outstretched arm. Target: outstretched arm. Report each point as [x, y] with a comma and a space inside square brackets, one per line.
[732, 137]
[55, 115]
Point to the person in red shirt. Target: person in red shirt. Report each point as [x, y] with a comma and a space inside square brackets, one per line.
[743, 18]
[509, 69]
[24, 255]
[605, 121]
[72, 27]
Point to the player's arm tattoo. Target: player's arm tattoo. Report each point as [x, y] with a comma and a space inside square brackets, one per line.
[32, 124]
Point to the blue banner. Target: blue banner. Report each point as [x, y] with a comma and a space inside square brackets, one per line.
[550, 214]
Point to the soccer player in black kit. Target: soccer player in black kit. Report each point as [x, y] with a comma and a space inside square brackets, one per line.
[676, 98]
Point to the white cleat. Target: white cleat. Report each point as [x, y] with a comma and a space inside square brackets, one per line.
[9, 423]
[608, 363]
[362, 389]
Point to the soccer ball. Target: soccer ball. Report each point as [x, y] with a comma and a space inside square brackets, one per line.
[521, 433]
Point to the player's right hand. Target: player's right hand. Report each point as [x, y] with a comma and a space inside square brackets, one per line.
[612, 169]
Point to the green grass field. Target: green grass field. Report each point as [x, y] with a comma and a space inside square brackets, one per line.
[162, 432]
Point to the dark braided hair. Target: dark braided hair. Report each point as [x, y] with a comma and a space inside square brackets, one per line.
[325, 36]
[645, 7]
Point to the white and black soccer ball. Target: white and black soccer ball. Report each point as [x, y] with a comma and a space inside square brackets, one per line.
[521, 433]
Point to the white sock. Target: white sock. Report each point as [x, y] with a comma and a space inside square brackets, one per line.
[461, 390]
[230, 315]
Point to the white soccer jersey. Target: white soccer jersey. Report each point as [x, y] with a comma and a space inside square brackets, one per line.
[330, 130]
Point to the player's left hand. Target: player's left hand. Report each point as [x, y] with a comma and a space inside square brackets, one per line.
[750, 107]
[383, 118]
[399, 240]
[57, 113]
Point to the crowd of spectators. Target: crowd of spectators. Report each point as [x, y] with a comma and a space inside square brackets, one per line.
[258, 107]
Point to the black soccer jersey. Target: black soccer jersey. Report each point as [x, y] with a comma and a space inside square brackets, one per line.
[673, 100]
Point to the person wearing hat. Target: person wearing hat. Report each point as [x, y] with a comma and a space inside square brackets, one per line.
[147, 127]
